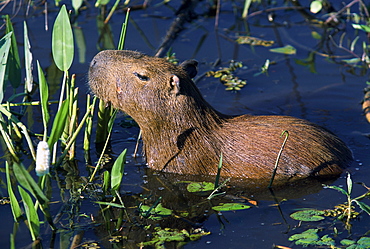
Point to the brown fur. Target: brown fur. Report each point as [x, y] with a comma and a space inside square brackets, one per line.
[183, 134]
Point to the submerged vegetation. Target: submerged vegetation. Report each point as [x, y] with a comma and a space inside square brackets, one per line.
[147, 219]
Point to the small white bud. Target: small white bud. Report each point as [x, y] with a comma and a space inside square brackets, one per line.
[42, 158]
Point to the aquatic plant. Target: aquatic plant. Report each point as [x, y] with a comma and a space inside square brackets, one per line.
[345, 212]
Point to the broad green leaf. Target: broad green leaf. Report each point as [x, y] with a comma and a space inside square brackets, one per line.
[4, 52]
[200, 186]
[25, 179]
[58, 124]
[62, 41]
[31, 213]
[308, 215]
[230, 207]
[27, 60]
[44, 94]
[16, 210]
[117, 171]
[315, 6]
[361, 27]
[14, 63]
[288, 49]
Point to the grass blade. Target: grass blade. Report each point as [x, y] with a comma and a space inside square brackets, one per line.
[14, 63]
[58, 124]
[44, 97]
[62, 41]
[32, 217]
[4, 52]
[117, 171]
[121, 43]
[27, 60]
[16, 210]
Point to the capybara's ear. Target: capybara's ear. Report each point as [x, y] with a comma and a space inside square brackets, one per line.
[190, 67]
[175, 84]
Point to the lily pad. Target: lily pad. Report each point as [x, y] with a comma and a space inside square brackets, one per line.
[230, 207]
[308, 215]
[200, 186]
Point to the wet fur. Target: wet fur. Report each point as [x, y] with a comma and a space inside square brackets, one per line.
[183, 134]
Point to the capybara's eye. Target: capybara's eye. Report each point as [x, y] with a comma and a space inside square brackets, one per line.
[141, 77]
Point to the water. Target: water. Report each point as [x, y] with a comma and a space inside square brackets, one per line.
[330, 97]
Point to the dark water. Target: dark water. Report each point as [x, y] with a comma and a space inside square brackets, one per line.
[330, 97]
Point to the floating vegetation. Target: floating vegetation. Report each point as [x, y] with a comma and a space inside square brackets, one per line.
[345, 212]
[254, 41]
[288, 49]
[161, 236]
[227, 78]
[308, 215]
[311, 238]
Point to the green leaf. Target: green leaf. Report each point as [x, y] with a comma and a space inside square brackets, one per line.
[31, 213]
[117, 171]
[58, 124]
[288, 49]
[106, 181]
[361, 27]
[121, 43]
[315, 6]
[27, 60]
[13, 64]
[352, 61]
[110, 204]
[101, 2]
[157, 212]
[44, 94]
[363, 206]
[364, 241]
[308, 215]
[76, 4]
[316, 35]
[62, 41]
[200, 186]
[230, 207]
[347, 242]
[4, 52]
[25, 179]
[338, 189]
[16, 210]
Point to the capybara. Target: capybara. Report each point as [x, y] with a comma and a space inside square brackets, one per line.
[183, 134]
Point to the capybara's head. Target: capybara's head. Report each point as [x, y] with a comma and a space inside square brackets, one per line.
[137, 83]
